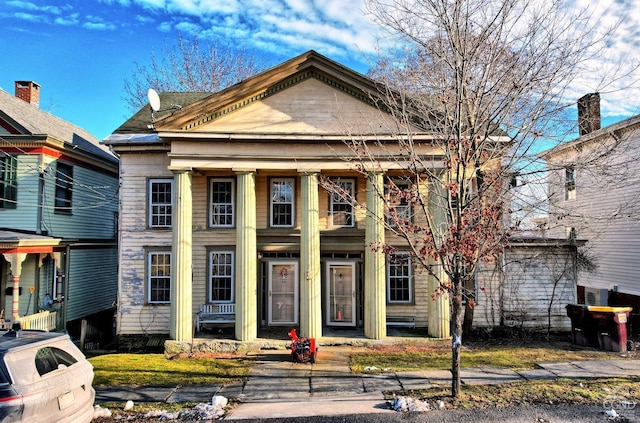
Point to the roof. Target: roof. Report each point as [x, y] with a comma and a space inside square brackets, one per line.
[25, 338]
[29, 119]
[11, 239]
[611, 130]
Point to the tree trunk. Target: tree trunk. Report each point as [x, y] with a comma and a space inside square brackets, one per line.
[456, 344]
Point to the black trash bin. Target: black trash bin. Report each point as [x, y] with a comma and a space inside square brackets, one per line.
[611, 326]
[583, 329]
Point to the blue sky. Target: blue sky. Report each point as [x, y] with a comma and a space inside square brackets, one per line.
[81, 51]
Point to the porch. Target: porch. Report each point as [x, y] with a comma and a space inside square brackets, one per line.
[43, 320]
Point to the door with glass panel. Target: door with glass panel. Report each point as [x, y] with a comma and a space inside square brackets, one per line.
[283, 293]
[340, 295]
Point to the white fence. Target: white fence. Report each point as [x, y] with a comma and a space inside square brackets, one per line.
[43, 320]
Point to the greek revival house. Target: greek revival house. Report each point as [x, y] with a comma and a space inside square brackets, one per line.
[223, 209]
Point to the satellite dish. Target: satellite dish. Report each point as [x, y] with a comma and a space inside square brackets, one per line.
[154, 99]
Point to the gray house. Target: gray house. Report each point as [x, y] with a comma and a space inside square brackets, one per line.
[58, 219]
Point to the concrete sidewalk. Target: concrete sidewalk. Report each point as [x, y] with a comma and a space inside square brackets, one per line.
[276, 387]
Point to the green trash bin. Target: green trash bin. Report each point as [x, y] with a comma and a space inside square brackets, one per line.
[611, 326]
[583, 329]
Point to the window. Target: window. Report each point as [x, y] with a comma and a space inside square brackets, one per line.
[341, 206]
[160, 203]
[49, 359]
[399, 278]
[282, 202]
[8, 182]
[222, 204]
[399, 206]
[64, 188]
[221, 275]
[569, 183]
[159, 277]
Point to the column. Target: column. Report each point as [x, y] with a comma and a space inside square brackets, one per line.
[181, 260]
[15, 260]
[246, 258]
[439, 320]
[375, 309]
[310, 284]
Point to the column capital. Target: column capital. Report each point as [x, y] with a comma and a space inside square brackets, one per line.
[239, 171]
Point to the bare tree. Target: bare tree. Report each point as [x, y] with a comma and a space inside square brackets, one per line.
[487, 79]
[192, 65]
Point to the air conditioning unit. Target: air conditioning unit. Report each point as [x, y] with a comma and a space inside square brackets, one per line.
[596, 296]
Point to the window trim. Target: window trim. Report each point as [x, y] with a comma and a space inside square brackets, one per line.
[233, 202]
[151, 204]
[292, 203]
[409, 277]
[63, 192]
[570, 191]
[149, 289]
[232, 277]
[9, 181]
[393, 205]
[332, 203]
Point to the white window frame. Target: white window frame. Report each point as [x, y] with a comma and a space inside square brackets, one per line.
[169, 205]
[569, 183]
[273, 201]
[406, 264]
[164, 277]
[231, 276]
[232, 204]
[403, 211]
[335, 199]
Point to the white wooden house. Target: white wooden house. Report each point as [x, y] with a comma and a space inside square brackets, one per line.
[594, 194]
[58, 217]
[221, 204]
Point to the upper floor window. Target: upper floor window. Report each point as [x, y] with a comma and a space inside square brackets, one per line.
[222, 202]
[8, 182]
[221, 277]
[569, 183]
[399, 278]
[282, 203]
[399, 209]
[341, 207]
[64, 187]
[160, 203]
[159, 277]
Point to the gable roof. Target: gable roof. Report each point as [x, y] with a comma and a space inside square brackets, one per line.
[28, 119]
[201, 108]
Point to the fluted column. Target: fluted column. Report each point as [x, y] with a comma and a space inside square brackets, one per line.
[375, 309]
[181, 260]
[310, 291]
[439, 320]
[246, 258]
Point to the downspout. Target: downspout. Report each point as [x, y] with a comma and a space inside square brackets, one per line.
[65, 301]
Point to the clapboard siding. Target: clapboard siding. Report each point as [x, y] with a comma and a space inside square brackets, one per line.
[606, 208]
[94, 204]
[534, 279]
[92, 281]
[25, 215]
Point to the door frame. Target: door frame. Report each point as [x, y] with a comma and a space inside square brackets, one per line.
[329, 265]
[296, 293]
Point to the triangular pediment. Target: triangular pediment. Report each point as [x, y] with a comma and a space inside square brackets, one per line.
[308, 94]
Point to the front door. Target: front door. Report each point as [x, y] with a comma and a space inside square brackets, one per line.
[283, 292]
[340, 294]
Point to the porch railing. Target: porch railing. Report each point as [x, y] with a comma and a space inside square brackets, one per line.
[43, 320]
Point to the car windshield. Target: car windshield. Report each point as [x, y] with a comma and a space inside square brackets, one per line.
[49, 359]
[31, 364]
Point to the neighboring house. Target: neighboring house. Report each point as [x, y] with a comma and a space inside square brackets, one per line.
[594, 194]
[58, 219]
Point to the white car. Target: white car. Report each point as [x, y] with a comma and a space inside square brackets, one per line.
[44, 378]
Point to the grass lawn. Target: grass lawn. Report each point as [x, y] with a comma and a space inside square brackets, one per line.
[155, 369]
[437, 355]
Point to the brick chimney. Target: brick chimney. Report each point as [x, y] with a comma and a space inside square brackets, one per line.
[28, 91]
[589, 113]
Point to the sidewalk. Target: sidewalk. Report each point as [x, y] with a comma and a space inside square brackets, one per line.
[276, 386]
